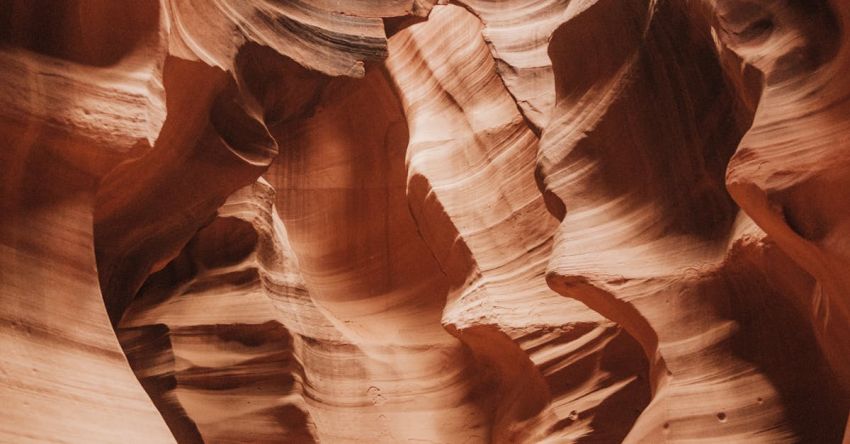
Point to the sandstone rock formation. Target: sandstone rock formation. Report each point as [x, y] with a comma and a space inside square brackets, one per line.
[509, 221]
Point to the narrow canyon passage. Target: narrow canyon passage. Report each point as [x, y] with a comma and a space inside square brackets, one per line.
[340, 181]
[441, 221]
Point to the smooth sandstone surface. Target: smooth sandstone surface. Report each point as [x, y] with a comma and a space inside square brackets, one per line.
[424, 221]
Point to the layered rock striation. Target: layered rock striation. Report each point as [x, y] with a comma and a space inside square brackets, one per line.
[516, 221]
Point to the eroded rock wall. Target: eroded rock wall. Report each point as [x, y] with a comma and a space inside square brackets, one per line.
[473, 221]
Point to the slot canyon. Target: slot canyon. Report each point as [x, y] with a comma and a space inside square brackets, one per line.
[425, 221]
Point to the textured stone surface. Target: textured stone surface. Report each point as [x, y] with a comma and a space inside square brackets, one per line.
[591, 221]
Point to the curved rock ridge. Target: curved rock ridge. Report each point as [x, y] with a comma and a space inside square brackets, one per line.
[652, 240]
[206, 340]
[402, 221]
[332, 37]
[62, 75]
[517, 33]
[467, 136]
[792, 161]
[68, 113]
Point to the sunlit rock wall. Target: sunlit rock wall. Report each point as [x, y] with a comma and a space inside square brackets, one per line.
[479, 221]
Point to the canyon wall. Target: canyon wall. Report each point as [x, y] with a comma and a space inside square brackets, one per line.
[506, 221]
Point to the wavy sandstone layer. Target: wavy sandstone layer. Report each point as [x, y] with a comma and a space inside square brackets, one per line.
[590, 221]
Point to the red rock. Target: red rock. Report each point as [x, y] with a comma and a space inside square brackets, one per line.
[411, 221]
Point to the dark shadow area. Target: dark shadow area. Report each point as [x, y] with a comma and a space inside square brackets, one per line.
[778, 338]
[89, 32]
